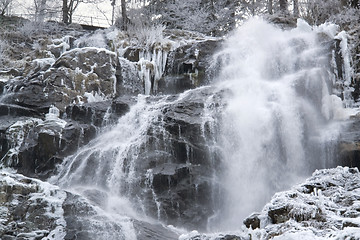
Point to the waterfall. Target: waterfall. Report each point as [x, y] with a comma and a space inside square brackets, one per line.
[280, 107]
[147, 154]
[213, 155]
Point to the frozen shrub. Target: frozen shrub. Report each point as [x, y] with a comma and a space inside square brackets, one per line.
[3, 47]
[141, 29]
[96, 39]
[31, 28]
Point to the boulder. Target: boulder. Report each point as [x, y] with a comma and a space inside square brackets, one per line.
[70, 79]
[252, 221]
[34, 147]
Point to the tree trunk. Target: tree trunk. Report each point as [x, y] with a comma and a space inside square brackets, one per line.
[65, 11]
[270, 6]
[296, 8]
[283, 5]
[42, 10]
[125, 19]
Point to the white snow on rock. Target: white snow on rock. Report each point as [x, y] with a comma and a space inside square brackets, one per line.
[17, 134]
[325, 206]
[44, 203]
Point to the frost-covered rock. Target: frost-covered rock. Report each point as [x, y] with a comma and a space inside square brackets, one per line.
[78, 75]
[84, 70]
[34, 146]
[325, 206]
[30, 209]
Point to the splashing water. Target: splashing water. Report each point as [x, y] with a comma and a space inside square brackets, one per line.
[279, 106]
[276, 128]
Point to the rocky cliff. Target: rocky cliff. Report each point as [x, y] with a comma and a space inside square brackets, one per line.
[65, 88]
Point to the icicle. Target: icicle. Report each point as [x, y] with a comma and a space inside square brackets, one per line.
[347, 69]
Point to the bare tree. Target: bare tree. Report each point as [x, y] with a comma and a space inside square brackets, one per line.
[113, 3]
[296, 8]
[68, 9]
[40, 10]
[270, 6]
[4, 6]
[283, 5]
[125, 19]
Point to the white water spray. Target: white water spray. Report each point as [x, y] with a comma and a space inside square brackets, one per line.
[279, 105]
[274, 130]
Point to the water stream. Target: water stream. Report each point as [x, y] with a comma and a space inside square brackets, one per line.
[281, 106]
[275, 124]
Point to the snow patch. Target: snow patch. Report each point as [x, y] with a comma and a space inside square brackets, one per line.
[94, 97]
[53, 117]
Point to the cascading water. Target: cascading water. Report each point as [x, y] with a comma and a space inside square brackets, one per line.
[279, 109]
[149, 153]
[224, 149]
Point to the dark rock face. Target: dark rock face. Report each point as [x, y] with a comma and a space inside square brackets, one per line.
[188, 67]
[252, 221]
[34, 147]
[177, 174]
[349, 145]
[31, 209]
[97, 113]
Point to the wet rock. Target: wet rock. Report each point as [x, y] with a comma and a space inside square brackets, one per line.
[128, 79]
[132, 54]
[196, 236]
[252, 221]
[189, 66]
[146, 231]
[34, 147]
[15, 111]
[283, 20]
[177, 174]
[31, 209]
[279, 214]
[349, 145]
[97, 113]
[84, 222]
